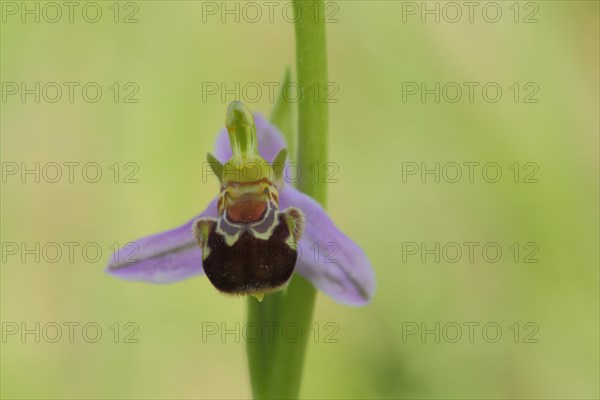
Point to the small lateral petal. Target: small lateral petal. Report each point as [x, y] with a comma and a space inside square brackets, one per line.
[342, 269]
[165, 257]
[270, 141]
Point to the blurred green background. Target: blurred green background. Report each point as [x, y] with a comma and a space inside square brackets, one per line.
[374, 47]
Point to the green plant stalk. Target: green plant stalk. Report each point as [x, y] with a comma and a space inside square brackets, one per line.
[261, 352]
[276, 362]
[311, 62]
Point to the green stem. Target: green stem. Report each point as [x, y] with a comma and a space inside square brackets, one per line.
[261, 352]
[311, 61]
[276, 361]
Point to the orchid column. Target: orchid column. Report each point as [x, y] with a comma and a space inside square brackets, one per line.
[276, 365]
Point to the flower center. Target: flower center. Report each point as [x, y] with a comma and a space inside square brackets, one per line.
[246, 210]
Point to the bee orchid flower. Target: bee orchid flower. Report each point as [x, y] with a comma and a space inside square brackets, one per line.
[257, 232]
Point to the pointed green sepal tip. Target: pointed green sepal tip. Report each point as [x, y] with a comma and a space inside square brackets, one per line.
[242, 131]
[215, 166]
[278, 165]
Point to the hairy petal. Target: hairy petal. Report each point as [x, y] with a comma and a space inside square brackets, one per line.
[165, 257]
[342, 269]
[270, 141]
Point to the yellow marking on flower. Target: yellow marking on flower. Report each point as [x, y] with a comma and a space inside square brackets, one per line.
[258, 296]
